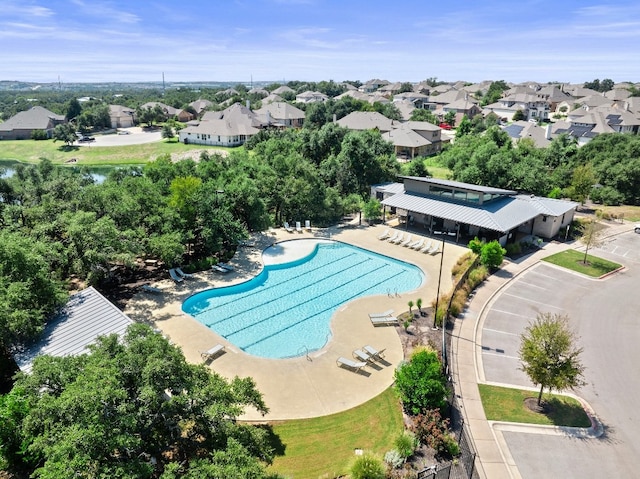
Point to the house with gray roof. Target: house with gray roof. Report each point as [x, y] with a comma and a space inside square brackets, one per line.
[200, 105]
[463, 210]
[121, 116]
[22, 125]
[281, 115]
[311, 97]
[281, 90]
[540, 135]
[86, 316]
[366, 120]
[232, 126]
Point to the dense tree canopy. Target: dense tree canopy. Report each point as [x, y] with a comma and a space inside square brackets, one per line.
[131, 409]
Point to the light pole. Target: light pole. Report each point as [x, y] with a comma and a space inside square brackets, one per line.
[435, 314]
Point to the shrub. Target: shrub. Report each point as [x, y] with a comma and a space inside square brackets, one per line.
[459, 300]
[607, 196]
[492, 254]
[443, 301]
[433, 431]
[39, 135]
[475, 245]
[406, 444]
[394, 459]
[513, 249]
[477, 276]
[367, 466]
[420, 383]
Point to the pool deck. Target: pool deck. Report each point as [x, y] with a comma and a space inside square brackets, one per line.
[313, 385]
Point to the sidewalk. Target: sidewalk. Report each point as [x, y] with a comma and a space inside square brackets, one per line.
[493, 459]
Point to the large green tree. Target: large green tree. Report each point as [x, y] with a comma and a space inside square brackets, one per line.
[131, 408]
[420, 382]
[549, 354]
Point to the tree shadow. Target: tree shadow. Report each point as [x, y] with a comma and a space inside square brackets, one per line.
[279, 448]
[68, 148]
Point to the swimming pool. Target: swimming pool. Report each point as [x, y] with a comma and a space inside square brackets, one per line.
[286, 310]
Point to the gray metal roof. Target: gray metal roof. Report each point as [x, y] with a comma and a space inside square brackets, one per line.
[501, 215]
[86, 316]
[465, 186]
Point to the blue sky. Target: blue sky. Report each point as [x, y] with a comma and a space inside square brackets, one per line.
[276, 40]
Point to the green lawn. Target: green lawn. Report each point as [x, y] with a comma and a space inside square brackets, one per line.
[572, 259]
[507, 404]
[437, 170]
[325, 445]
[31, 151]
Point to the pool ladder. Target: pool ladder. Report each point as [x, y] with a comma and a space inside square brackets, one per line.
[306, 352]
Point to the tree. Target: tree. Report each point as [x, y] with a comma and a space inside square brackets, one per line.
[582, 182]
[519, 115]
[421, 114]
[73, 109]
[132, 408]
[465, 127]
[65, 132]
[492, 254]
[420, 382]
[372, 210]
[494, 93]
[167, 132]
[450, 118]
[591, 236]
[549, 356]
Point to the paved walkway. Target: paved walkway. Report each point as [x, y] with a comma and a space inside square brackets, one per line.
[493, 458]
[308, 386]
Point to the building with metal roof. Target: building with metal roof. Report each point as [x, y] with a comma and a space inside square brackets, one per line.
[86, 316]
[466, 210]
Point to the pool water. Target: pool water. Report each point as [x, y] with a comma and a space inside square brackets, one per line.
[286, 310]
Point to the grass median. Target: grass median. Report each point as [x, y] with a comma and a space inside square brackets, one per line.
[574, 260]
[325, 445]
[508, 404]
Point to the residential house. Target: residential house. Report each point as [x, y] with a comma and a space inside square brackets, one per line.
[533, 107]
[22, 125]
[311, 97]
[272, 98]
[373, 85]
[230, 127]
[465, 107]
[390, 89]
[366, 120]
[281, 115]
[200, 105]
[414, 138]
[418, 99]
[282, 90]
[170, 112]
[462, 211]
[540, 135]
[121, 116]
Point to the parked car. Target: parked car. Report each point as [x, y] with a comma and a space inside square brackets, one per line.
[86, 139]
[445, 126]
[636, 228]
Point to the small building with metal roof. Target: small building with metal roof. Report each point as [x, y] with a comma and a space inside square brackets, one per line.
[86, 316]
[465, 210]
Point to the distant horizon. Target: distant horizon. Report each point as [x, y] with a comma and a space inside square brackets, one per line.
[115, 41]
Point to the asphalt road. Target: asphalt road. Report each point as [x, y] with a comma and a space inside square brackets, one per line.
[136, 136]
[604, 313]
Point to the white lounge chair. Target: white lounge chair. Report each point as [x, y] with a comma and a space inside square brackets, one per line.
[175, 276]
[298, 227]
[373, 352]
[151, 289]
[287, 227]
[360, 355]
[407, 242]
[393, 237]
[226, 266]
[434, 249]
[182, 274]
[307, 225]
[417, 244]
[426, 247]
[384, 320]
[381, 315]
[213, 352]
[350, 364]
[384, 235]
[399, 239]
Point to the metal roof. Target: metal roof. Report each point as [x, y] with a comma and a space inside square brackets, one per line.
[501, 215]
[86, 316]
[458, 184]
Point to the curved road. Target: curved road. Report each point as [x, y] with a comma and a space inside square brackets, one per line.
[605, 315]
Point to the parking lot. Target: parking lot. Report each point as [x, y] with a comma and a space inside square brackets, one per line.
[604, 314]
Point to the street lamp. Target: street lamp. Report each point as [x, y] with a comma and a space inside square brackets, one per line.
[435, 314]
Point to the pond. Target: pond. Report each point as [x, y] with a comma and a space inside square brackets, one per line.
[98, 173]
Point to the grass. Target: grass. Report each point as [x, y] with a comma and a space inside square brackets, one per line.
[572, 259]
[436, 169]
[627, 212]
[325, 445]
[507, 404]
[31, 151]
